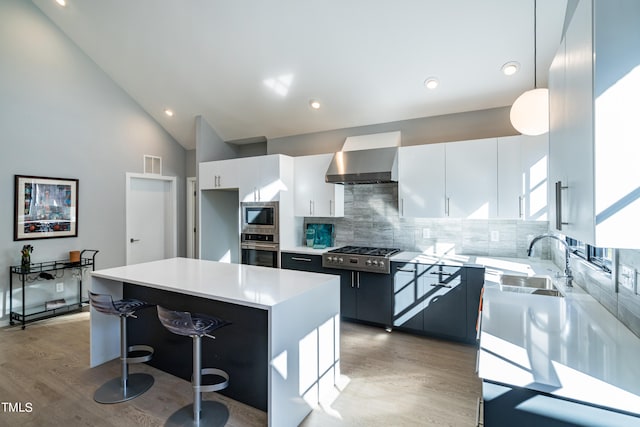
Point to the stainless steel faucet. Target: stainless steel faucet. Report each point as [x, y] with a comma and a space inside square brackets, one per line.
[567, 253]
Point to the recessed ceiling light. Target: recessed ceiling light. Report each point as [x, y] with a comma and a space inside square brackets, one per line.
[168, 112]
[431, 83]
[510, 68]
[315, 104]
[62, 3]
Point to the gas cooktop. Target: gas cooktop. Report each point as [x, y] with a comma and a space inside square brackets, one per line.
[359, 258]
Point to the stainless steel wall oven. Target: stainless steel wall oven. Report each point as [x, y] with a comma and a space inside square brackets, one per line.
[260, 249]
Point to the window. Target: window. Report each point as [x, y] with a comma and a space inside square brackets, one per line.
[601, 257]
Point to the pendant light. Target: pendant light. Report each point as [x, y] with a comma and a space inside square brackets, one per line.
[530, 112]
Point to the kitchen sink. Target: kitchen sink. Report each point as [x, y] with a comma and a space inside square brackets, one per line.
[538, 285]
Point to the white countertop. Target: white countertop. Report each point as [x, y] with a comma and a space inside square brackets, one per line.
[571, 347]
[247, 285]
[307, 250]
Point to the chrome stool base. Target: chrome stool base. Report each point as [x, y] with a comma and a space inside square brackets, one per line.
[215, 386]
[112, 391]
[211, 414]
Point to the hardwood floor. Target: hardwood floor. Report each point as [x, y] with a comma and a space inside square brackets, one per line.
[391, 379]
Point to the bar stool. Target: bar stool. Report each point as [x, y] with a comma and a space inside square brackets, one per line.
[196, 326]
[127, 386]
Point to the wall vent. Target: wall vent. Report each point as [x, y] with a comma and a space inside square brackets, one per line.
[152, 164]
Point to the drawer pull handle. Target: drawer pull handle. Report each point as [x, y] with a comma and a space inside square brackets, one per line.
[295, 258]
[444, 285]
[442, 273]
[413, 270]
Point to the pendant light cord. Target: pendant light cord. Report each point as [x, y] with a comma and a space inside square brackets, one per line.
[535, 44]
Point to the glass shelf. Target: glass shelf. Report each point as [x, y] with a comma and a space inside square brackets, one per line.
[40, 267]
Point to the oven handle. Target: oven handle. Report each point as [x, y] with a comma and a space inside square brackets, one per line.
[260, 246]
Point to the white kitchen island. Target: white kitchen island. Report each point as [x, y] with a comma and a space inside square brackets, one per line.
[285, 327]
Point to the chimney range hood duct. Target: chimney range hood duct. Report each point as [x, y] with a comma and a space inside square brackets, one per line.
[366, 159]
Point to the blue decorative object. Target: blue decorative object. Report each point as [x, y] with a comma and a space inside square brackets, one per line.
[323, 235]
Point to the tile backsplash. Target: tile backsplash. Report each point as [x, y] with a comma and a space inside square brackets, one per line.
[371, 218]
[624, 304]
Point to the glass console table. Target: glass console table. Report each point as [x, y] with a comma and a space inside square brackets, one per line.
[43, 271]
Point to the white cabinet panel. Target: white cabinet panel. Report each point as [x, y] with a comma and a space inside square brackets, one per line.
[471, 179]
[577, 164]
[313, 196]
[220, 174]
[523, 177]
[258, 179]
[421, 181]
[263, 181]
[593, 138]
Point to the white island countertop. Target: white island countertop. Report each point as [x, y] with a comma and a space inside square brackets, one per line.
[241, 284]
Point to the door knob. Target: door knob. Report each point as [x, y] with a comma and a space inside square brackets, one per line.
[134, 240]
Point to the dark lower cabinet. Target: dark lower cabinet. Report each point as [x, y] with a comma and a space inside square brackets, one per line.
[445, 310]
[348, 293]
[408, 292]
[436, 299]
[374, 297]
[363, 296]
[514, 406]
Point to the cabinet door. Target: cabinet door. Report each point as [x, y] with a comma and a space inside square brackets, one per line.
[577, 154]
[250, 178]
[348, 294]
[523, 177]
[471, 179]
[207, 174]
[269, 183]
[375, 301]
[313, 196]
[260, 178]
[228, 173]
[408, 292]
[421, 181]
[445, 311]
[557, 126]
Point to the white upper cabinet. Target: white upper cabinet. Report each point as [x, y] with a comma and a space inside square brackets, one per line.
[523, 177]
[220, 174]
[313, 196]
[471, 179]
[258, 179]
[421, 186]
[594, 83]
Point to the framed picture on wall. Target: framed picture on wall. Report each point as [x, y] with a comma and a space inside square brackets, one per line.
[45, 207]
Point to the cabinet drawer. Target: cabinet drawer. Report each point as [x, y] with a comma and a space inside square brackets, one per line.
[304, 262]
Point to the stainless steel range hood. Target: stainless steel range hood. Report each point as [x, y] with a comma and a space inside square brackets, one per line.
[366, 159]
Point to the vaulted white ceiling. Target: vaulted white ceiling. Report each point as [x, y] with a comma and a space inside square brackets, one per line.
[364, 60]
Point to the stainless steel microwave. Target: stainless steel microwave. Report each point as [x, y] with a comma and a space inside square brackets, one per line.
[260, 217]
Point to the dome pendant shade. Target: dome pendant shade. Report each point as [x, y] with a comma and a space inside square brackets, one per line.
[530, 112]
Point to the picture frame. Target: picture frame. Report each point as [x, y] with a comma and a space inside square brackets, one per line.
[45, 207]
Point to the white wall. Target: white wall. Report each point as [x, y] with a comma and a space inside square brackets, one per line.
[62, 116]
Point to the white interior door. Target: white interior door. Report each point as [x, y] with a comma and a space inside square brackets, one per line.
[151, 224]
